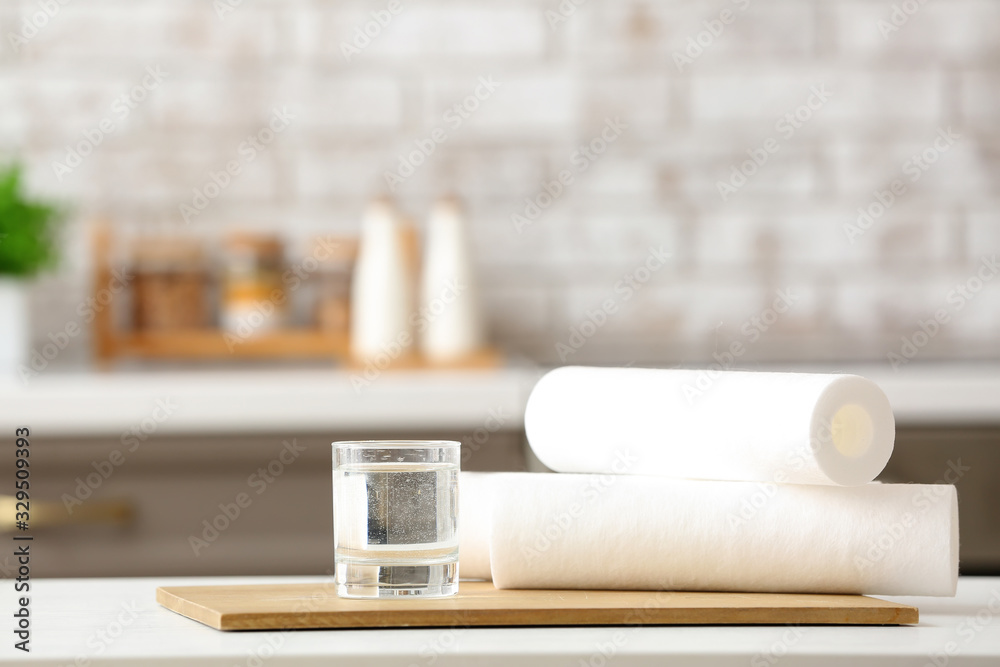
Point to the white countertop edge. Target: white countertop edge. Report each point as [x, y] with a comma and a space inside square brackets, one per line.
[265, 401]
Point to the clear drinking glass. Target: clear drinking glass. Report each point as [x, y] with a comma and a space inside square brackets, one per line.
[395, 517]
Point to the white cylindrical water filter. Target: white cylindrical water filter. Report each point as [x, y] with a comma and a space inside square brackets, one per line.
[449, 302]
[382, 290]
[630, 532]
[795, 428]
[475, 504]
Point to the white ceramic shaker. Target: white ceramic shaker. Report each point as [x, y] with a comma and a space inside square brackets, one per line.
[450, 324]
[382, 290]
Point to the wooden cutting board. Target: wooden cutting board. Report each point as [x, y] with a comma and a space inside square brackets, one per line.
[302, 606]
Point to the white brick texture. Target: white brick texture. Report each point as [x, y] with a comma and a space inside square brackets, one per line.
[368, 81]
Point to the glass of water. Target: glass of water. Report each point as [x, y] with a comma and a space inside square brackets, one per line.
[395, 517]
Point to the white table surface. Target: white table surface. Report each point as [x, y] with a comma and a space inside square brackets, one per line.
[278, 400]
[74, 620]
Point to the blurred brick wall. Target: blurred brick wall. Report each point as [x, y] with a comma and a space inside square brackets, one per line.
[700, 87]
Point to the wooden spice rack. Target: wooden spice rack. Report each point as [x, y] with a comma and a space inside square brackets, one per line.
[111, 343]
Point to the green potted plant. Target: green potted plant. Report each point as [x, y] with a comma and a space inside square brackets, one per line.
[28, 230]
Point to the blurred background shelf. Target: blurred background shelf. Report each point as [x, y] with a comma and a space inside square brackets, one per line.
[290, 344]
[170, 321]
[211, 344]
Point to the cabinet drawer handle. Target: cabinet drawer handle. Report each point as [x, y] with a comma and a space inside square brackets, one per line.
[49, 514]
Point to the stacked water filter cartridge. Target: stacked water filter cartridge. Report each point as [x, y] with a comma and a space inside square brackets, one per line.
[729, 481]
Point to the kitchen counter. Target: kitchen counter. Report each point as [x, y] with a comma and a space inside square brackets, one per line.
[117, 622]
[326, 400]
[207, 402]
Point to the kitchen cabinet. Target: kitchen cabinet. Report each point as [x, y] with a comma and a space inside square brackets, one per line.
[168, 455]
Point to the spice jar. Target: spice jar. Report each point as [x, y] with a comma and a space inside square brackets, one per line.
[253, 298]
[170, 285]
[335, 257]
